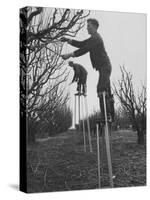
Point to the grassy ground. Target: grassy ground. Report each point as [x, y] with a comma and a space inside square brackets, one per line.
[60, 163]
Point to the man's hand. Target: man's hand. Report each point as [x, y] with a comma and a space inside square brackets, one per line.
[63, 39]
[67, 56]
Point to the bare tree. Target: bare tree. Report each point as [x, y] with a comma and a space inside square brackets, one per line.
[40, 31]
[134, 104]
[40, 28]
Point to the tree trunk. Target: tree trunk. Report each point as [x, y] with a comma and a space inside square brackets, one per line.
[31, 132]
[31, 137]
[140, 139]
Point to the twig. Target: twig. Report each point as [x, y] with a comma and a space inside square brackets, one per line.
[67, 186]
[45, 174]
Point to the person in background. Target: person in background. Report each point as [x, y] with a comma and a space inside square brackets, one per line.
[80, 76]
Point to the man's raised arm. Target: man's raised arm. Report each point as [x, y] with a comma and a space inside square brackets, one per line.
[74, 43]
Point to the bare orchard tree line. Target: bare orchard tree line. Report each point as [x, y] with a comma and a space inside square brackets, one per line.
[132, 102]
[42, 71]
[132, 110]
[122, 120]
[53, 115]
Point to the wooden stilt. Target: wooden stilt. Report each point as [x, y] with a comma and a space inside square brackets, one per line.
[88, 124]
[107, 143]
[75, 111]
[98, 156]
[83, 101]
[84, 137]
[79, 109]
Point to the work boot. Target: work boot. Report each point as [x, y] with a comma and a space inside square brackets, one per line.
[84, 89]
[112, 110]
[102, 120]
[110, 107]
[109, 118]
[79, 89]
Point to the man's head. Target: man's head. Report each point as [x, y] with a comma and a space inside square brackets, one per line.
[92, 26]
[70, 63]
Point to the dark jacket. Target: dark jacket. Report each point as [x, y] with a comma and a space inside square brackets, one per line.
[80, 72]
[95, 46]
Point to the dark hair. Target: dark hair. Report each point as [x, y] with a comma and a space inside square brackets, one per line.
[94, 22]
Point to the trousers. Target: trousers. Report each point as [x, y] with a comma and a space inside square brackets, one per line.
[104, 79]
[104, 85]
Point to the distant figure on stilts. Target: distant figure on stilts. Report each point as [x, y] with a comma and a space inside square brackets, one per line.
[80, 76]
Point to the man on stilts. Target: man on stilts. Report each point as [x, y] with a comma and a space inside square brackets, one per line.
[80, 76]
[101, 62]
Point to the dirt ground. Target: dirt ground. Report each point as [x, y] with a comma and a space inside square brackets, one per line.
[59, 163]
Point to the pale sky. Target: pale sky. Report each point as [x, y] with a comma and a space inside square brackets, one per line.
[124, 36]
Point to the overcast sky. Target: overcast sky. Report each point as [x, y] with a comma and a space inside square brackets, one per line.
[124, 36]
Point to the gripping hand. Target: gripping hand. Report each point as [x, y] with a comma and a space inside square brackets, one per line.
[67, 56]
[63, 39]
